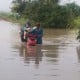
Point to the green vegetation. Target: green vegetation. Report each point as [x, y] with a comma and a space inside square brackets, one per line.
[48, 12]
[12, 17]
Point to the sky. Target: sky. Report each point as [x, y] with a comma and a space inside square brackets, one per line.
[66, 1]
[6, 4]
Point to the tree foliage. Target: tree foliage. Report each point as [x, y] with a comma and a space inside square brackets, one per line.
[48, 12]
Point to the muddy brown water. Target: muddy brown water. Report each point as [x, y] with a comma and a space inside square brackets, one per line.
[57, 59]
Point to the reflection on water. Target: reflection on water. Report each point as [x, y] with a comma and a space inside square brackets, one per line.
[52, 53]
[31, 53]
[57, 59]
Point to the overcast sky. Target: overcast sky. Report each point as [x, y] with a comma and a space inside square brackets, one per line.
[66, 1]
[6, 4]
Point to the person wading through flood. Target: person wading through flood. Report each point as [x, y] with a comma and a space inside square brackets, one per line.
[24, 31]
[78, 36]
[35, 35]
[39, 33]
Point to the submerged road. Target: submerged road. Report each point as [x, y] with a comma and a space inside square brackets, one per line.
[59, 58]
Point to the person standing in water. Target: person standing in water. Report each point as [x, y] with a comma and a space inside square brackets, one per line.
[39, 32]
[24, 31]
[78, 36]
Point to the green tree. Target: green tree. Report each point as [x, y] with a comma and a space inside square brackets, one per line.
[48, 12]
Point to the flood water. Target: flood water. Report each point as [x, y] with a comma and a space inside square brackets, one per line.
[57, 59]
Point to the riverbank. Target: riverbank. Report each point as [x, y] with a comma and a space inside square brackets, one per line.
[22, 21]
[12, 18]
